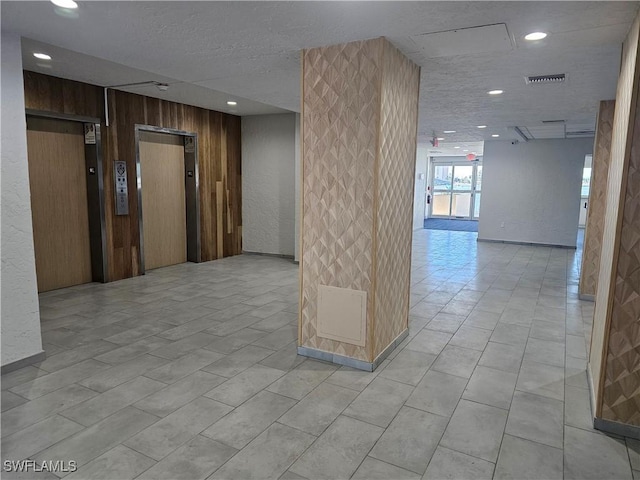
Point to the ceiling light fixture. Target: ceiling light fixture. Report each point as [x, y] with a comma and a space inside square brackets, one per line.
[42, 56]
[449, 131]
[495, 92]
[456, 147]
[232, 103]
[65, 4]
[465, 150]
[535, 36]
[482, 126]
[495, 135]
[440, 138]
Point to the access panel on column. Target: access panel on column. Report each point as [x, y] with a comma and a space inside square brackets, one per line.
[58, 202]
[164, 217]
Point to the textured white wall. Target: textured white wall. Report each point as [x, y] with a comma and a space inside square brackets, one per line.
[20, 329]
[420, 194]
[534, 188]
[268, 184]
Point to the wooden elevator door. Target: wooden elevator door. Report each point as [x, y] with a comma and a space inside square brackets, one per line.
[164, 214]
[59, 207]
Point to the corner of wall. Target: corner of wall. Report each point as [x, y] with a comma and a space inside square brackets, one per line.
[20, 328]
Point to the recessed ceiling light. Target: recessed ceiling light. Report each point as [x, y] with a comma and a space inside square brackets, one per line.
[440, 138]
[495, 92]
[65, 3]
[535, 36]
[42, 56]
[465, 150]
[449, 131]
[482, 126]
[456, 147]
[232, 103]
[495, 135]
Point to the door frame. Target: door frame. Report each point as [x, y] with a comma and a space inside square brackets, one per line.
[192, 193]
[453, 164]
[93, 158]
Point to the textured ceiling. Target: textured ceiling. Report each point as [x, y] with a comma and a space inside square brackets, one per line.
[250, 50]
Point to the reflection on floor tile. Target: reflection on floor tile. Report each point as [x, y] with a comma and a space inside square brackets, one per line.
[191, 372]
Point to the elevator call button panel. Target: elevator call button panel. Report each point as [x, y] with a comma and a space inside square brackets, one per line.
[122, 194]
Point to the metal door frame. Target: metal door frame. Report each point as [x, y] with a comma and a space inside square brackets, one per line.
[194, 253]
[473, 191]
[95, 189]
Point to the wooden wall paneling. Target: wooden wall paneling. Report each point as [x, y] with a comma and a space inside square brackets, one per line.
[224, 163]
[233, 202]
[214, 168]
[110, 146]
[52, 94]
[219, 220]
[203, 119]
[133, 107]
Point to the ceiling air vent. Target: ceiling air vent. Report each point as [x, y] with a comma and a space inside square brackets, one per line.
[545, 79]
[581, 133]
[547, 122]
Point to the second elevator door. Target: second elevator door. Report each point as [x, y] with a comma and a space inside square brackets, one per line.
[164, 217]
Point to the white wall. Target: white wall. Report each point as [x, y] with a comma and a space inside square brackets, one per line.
[420, 190]
[533, 189]
[20, 328]
[268, 184]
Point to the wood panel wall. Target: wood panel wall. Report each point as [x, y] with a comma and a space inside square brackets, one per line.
[219, 157]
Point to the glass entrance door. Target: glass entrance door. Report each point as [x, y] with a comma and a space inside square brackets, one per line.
[456, 190]
[462, 192]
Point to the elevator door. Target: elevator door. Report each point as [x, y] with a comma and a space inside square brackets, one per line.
[58, 202]
[164, 217]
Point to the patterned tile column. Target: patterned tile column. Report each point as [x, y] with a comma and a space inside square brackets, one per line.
[359, 129]
[597, 201]
[614, 361]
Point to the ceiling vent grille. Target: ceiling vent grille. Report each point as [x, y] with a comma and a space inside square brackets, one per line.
[545, 79]
[547, 122]
[581, 133]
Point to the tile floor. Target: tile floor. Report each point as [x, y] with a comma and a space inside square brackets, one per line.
[190, 372]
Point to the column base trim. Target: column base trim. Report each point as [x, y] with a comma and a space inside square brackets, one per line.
[264, 254]
[616, 428]
[353, 362]
[609, 426]
[533, 244]
[587, 297]
[23, 362]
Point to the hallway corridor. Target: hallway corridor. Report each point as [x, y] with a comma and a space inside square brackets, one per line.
[191, 372]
